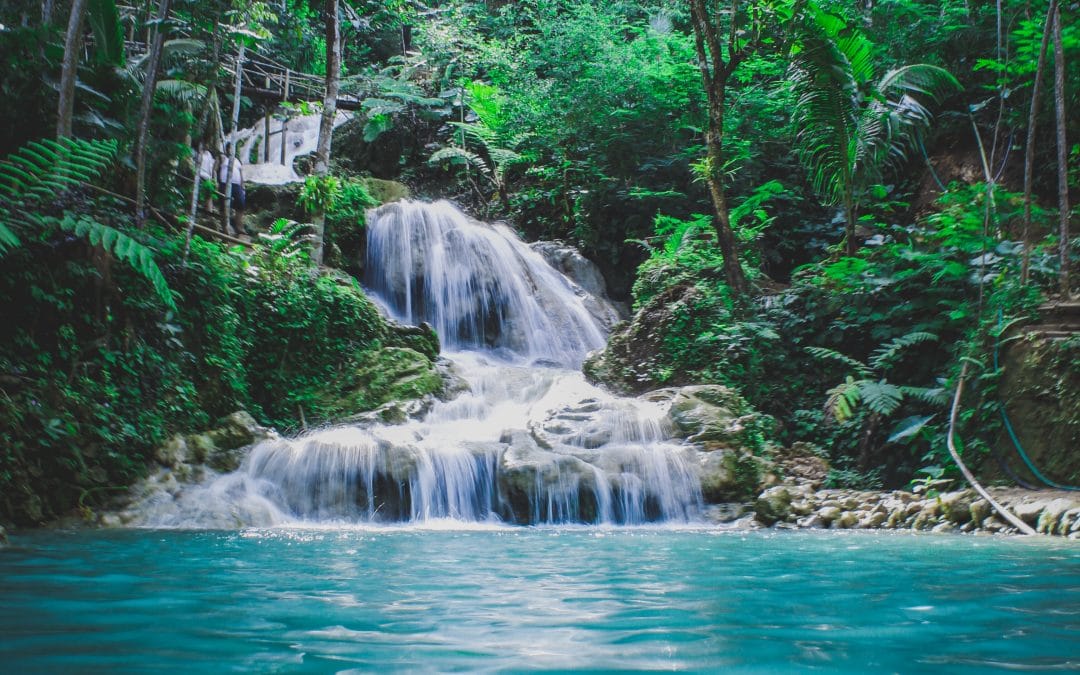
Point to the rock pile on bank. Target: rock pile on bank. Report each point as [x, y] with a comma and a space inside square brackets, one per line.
[803, 506]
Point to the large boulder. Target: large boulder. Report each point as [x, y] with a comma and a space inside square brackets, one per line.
[712, 413]
[221, 448]
[730, 475]
[531, 478]
[631, 363]
[586, 275]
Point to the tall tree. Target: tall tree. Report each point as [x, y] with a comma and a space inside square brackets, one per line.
[1029, 150]
[719, 53]
[329, 112]
[852, 127]
[1062, 155]
[68, 71]
[153, 60]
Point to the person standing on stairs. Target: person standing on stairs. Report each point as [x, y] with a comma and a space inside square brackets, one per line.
[235, 183]
[207, 163]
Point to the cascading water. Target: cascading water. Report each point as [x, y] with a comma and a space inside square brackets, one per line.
[529, 442]
[476, 284]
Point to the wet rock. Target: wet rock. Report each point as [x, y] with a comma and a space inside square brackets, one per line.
[708, 413]
[725, 513]
[773, 505]
[1028, 511]
[570, 262]
[872, 520]
[630, 362]
[956, 506]
[729, 475]
[1051, 515]
[173, 452]
[237, 430]
[3, 537]
[847, 520]
[422, 338]
[979, 510]
[829, 513]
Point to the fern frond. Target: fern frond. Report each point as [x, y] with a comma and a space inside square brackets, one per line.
[454, 153]
[138, 256]
[880, 397]
[8, 240]
[843, 399]
[884, 356]
[827, 354]
[935, 396]
[43, 170]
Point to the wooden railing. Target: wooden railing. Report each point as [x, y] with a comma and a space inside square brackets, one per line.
[267, 81]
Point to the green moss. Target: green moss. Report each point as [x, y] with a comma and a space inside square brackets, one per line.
[385, 375]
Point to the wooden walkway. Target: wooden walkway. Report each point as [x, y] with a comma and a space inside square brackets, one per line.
[270, 83]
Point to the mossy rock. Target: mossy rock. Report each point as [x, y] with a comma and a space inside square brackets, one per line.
[729, 475]
[420, 338]
[389, 374]
[386, 191]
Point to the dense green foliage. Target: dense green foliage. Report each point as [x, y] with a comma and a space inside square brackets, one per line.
[575, 119]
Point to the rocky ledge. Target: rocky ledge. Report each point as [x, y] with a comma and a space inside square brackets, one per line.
[803, 506]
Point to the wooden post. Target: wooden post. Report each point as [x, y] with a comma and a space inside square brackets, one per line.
[285, 116]
[266, 136]
[284, 132]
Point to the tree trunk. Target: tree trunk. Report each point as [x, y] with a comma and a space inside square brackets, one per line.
[153, 60]
[227, 211]
[851, 246]
[326, 126]
[714, 77]
[725, 236]
[1062, 155]
[68, 72]
[1029, 150]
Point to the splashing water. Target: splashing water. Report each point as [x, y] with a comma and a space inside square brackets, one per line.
[529, 442]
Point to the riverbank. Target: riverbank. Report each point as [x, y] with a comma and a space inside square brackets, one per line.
[1050, 512]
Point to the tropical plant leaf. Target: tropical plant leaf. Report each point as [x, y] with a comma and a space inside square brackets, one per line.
[885, 356]
[880, 397]
[138, 256]
[843, 399]
[827, 354]
[909, 426]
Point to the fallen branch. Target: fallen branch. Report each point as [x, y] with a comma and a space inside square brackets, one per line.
[1005, 513]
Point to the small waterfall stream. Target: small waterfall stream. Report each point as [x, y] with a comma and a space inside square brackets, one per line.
[529, 442]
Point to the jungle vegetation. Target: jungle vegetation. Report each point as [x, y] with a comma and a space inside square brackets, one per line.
[833, 204]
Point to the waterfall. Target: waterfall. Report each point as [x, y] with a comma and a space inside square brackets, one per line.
[478, 285]
[262, 155]
[529, 442]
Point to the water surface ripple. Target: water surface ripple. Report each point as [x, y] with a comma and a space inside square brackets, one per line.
[498, 599]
